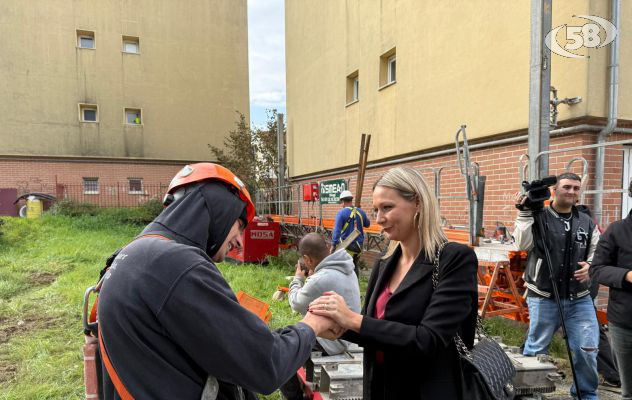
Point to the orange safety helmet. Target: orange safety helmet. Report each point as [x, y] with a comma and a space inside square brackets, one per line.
[208, 171]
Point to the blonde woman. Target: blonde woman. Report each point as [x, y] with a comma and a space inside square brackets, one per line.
[406, 327]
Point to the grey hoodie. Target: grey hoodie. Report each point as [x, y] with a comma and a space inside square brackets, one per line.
[334, 273]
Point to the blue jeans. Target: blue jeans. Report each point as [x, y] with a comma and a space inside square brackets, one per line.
[583, 336]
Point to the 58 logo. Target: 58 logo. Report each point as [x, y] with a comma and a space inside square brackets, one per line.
[582, 36]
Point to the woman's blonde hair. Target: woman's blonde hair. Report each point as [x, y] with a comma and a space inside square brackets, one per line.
[412, 186]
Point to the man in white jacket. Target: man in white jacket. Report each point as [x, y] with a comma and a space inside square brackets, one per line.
[317, 272]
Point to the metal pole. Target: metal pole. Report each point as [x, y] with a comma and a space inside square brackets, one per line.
[281, 158]
[539, 87]
[613, 96]
[300, 205]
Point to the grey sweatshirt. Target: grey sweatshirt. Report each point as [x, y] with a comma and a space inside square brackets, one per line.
[334, 273]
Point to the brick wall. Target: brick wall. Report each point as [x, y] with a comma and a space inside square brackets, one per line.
[64, 178]
[500, 164]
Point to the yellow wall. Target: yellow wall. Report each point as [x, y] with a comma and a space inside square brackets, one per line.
[457, 62]
[189, 79]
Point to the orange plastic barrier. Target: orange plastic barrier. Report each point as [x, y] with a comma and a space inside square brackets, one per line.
[602, 317]
[328, 223]
[457, 235]
[254, 305]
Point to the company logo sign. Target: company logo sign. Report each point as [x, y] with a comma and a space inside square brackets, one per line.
[330, 191]
[587, 35]
[262, 235]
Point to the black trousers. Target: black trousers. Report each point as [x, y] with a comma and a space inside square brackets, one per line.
[606, 364]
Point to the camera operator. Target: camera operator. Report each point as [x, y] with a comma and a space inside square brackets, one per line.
[571, 238]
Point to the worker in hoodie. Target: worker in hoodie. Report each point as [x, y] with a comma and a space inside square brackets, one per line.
[169, 324]
[325, 273]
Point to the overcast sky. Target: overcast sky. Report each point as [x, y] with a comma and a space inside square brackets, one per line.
[266, 58]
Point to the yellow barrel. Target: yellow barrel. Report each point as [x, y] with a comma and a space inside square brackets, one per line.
[33, 207]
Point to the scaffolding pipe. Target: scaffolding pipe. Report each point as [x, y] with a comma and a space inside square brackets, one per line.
[613, 97]
[281, 159]
[584, 147]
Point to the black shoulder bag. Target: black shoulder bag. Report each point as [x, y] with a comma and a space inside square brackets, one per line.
[486, 370]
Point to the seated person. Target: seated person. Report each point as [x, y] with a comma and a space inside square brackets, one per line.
[317, 272]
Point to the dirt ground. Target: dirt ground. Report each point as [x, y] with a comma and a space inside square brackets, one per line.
[14, 327]
[563, 392]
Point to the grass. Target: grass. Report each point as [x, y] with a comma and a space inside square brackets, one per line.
[514, 333]
[46, 264]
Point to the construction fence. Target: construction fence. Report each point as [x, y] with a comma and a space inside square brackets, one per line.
[101, 194]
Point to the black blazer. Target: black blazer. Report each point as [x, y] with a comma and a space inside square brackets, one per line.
[611, 262]
[416, 334]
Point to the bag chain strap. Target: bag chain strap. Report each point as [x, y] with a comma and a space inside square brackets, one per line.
[480, 329]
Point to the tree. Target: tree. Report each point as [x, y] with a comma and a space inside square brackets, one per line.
[267, 149]
[251, 154]
[239, 153]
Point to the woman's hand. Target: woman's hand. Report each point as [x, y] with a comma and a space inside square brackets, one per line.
[332, 305]
[322, 326]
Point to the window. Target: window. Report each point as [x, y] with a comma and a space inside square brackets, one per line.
[133, 116]
[131, 45]
[88, 113]
[392, 71]
[135, 185]
[388, 68]
[85, 39]
[90, 185]
[353, 88]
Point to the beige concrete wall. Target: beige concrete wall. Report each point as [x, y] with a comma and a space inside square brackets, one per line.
[457, 62]
[189, 79]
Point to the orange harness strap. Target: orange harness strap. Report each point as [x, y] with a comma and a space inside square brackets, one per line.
[118, 383]
[154, 235]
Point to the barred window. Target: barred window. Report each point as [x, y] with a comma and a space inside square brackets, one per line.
[90, 185]
[135, 185]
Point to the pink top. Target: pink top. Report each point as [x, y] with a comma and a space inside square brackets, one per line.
[380, 308]
[380, 304]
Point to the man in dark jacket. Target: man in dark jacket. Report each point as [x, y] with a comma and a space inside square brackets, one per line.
[171, 324]
[572, 239]
[612, 266]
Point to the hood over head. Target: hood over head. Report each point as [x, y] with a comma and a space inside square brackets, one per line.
[202, 217]
[339, 260]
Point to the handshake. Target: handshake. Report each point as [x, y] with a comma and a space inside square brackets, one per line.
[330, 317]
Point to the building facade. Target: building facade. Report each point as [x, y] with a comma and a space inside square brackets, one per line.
[411, 73]
[116, 93]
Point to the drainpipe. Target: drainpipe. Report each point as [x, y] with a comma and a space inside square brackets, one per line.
[613, 95]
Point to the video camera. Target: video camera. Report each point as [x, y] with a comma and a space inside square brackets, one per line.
[536, 192]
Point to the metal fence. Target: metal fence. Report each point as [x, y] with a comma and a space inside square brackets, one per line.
[111, 195]
[267, 200]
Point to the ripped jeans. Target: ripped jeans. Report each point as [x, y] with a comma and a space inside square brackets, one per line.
[583, 336]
